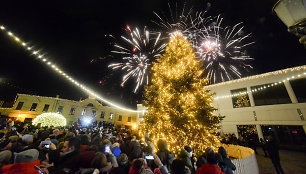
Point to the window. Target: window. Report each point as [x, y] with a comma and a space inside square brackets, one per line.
[46, 108]
[242, 100]
[33, 107]
[270, 94]
[19, 106]
[298, 86]
[102, 114]
[120, 118]
[90, 105]
[84, 111]
[129, 119]
[72, 111]
[94, 113]
[111, 116]
[60, 109]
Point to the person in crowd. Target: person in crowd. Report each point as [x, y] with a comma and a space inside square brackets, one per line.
[164, 154]
[123, 165]
[201, 160]
[263, 144]
[116, 149]
[186, 156]
[211, 165]
[228, 166]
[273, 150]
[179, 167]
[67, 163]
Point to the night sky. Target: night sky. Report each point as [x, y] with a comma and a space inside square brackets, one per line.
[72, 33]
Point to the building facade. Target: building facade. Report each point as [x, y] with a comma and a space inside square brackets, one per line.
[26, 107]
[274, 101]
[260, 104]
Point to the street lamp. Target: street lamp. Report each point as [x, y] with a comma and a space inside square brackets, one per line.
[293, 15]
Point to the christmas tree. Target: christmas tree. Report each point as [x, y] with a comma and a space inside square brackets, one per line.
[179, 107]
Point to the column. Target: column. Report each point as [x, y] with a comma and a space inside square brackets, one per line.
[251, 96]
[304, 127]
[259, 132]
[290, 92]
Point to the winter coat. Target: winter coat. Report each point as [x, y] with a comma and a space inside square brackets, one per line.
[272, 148]
[187, 160]
[66, 163]
[209, 169]
[227, 166]
[166, 157]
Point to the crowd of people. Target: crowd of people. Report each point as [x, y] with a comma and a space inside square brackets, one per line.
[100, 149]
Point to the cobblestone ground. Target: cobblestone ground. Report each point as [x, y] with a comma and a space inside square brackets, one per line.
[292, 162]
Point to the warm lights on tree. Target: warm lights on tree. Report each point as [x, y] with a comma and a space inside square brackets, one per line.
[50, 119]
[179, 108]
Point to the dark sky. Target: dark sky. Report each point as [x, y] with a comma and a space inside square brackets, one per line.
[72, 33]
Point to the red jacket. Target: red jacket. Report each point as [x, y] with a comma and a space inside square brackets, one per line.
[209, 169]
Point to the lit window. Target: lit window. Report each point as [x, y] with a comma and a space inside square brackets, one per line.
[129, 119]
[72, 111]
[240, 98]
[84, 111]
[120, 118]
[111, 116]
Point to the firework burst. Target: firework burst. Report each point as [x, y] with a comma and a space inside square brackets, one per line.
[222, 51]
[187, 21]
[138, 52]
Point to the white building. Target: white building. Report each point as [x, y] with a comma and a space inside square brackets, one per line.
[274, 100]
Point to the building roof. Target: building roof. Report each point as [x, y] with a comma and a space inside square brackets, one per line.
[279, 72]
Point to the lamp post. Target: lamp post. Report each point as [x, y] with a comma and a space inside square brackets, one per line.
[293, 15]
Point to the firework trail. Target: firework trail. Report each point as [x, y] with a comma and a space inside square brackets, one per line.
[138, 52]
[222, 51]
[187, 21]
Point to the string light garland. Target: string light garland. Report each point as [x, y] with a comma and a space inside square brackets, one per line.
[50, 119]
[296, 76]
[39, 55]
[179, 108]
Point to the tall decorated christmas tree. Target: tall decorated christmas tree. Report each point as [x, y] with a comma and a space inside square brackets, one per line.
[179, 107]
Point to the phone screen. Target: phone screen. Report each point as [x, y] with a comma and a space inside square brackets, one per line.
[38, 169]
[47, 146]
[149, 157]
[107, 149]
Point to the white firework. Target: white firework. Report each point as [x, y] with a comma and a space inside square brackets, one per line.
[138, 52]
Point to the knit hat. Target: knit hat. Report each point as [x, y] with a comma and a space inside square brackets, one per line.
[122, 159]
[188, 149]
[27, 138]
[26, 156]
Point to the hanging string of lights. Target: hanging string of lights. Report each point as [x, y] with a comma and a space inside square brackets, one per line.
[53, 66]
[41, 57]
[297, 76]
